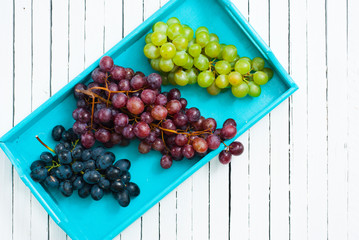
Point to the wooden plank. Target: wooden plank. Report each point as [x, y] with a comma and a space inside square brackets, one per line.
[6, 121]
[168, 216]
[184, 209]
[337, 120]
[299, 155]
[113, 23]
[22, 107]
[353, 118]
[317, 122]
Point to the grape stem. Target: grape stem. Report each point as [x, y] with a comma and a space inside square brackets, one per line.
[38, 139]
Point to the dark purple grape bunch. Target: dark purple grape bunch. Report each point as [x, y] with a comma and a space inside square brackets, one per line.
[89, 171]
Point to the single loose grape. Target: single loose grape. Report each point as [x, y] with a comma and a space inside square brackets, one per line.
[155, 64]
[180, 59]
[202, 29]
[212, 49]
[188, 32]
[181, 78]
[195, 50]
[180, 42]
[222, 67]
[160, 27]
[213, 89]
[151, 51]
[192, 75]
[260, 78]
[158, 38]
[240, 90]
[254, 89]
[201, 62]
[174, 30]
[242, 66]
[222, 81]
[189, 63]
[235, 78]
[205, 79]
[229, 53]
[213, 38]
[168, 51]
[172, 20]
[148, 38]
[166, 65]
[202, 39]
[269, 73]
[258, 63]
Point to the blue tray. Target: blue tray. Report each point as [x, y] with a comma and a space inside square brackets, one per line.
[87, 219]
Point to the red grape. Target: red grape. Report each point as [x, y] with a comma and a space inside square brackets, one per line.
[87, 139]
[79, 127]
[137, 82]
[154, 81]
[200, 145]
[141, 130]
[129, 73]
[225, 157]
[105, 115]
[144, 147]
[103, 135]
[174, 94]
[213, 141]
[230, 121]
[121, 120]
[209, 124]
[106, 64]
[228, 132]
[166, 161]
[236, 148]
[183, 102]
[98, 76]
[118, 73]
[161, 99]
[197, 125]
[146, 117]
[79, 86]
[193, 114]
[159, 112]
[176, 153]
[148, 96]
[168, 124]
[115, 138]
[180, 119]
[135, 105]
[127, 132]
[181, 140]
[173, 107]
[188, 151]
[119, 100]
[158, 145]
[124, 85]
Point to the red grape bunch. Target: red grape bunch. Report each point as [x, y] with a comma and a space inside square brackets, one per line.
[121, 105]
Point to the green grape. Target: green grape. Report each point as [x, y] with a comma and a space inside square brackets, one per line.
[189, 63]
[201, 29]
[168, 50]
[213, 89]
[171, 78]
[180, 58]
[173, 20]
[229, 53]
[205, 79]
[174, 30]
[260, 78]
[195, 50]
[151, 51]
[181, 43]
[188, 32]
[166, 65]
[222, 67]
[158, 38]
[269, 73]
[240, 90]
[254, 89]
[155, 64]
[192, 75]
[202, 38]
[201, 62]
[148, 38]
[181, 78]
[160, 27]
[175, 68]
[258, 63]
[247, 59]
[242, 66]
[212, 49]
[222, 81]
[190, 43]
[220, 57]
[164, 77]
[213, 38]
[235, 78]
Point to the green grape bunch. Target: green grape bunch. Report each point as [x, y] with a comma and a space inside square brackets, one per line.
[184, 56]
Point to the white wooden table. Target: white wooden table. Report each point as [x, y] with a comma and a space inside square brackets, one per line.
[298, 178]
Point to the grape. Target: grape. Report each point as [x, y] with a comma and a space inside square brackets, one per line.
[228, 132]
[96, 193]
[195, 50]
[39, 174]
[202, 38]
[113, 87]
[118, 73]
[81, 103]
[168, 124]
[222, 81]
[65, 188]
[247, 59]
[119, 100]
[166, 65]
[235, 78]
[180, 119]
[166, 161]
[151, 51]
[200, 145]
[117, 186]
[172, 20]
[213, 89]
[209, 124]
[269, 72]
[192, 75]
[260, 78]
[141, 130]
[133, 189]
[201, 29]
[137, 82]
[105, 115]
[201, 62]
[174, 30]
[50, 181]
[225, 157]
[205, 79]
[193, 114]
[129, 73]
[258, 63]
[148, 96]
[155, 64]
[144, 148]
[229, 53]
[79, 127]
[173, 106]
[188, 32]
[168, 50]
[79, 86]
[115, 138]
[236, 148]
[160, 27]
[174, 94]
[181, 140]
[212, 49]
[188, 151]
[158, 145]
[161, 99]
[57, 132]
[181, 78]
[181, 58]
[158, 38]
[151, 137]
[98, 76]
[223, 67]
[121, 120]
[189, 63]
[213, 141]
[183, 102]
[171, 78]
[103, 135]
[148, 38]
[213, 38]
[106, 64]
[230, 121]
[124, 85]
[240, 90]
[180, 42]
[135, 105]
[127, 132]
[254, 89]
[154, 81]
[242, 66]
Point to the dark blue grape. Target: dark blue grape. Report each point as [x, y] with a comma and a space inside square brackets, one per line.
[89, 165]
[123, 164]
[85, 191]
[77, 166]
[66, 188]
[36, 164]
[123, 198]
[69, 136]
[92, 177]
[57, 132]
[67, 145]
[113, 173]
[117, 186]
[77, 152]
[51, 182]
[125, 177]
[96, 192]
[97, 151]
[86, 154]
[65, 157]
[78, 183]
[104, 161]
[38, 174]
[64, 172]
[59, 148]
[73, 178]
[46, 157]
[104, 183]
[133, 189]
